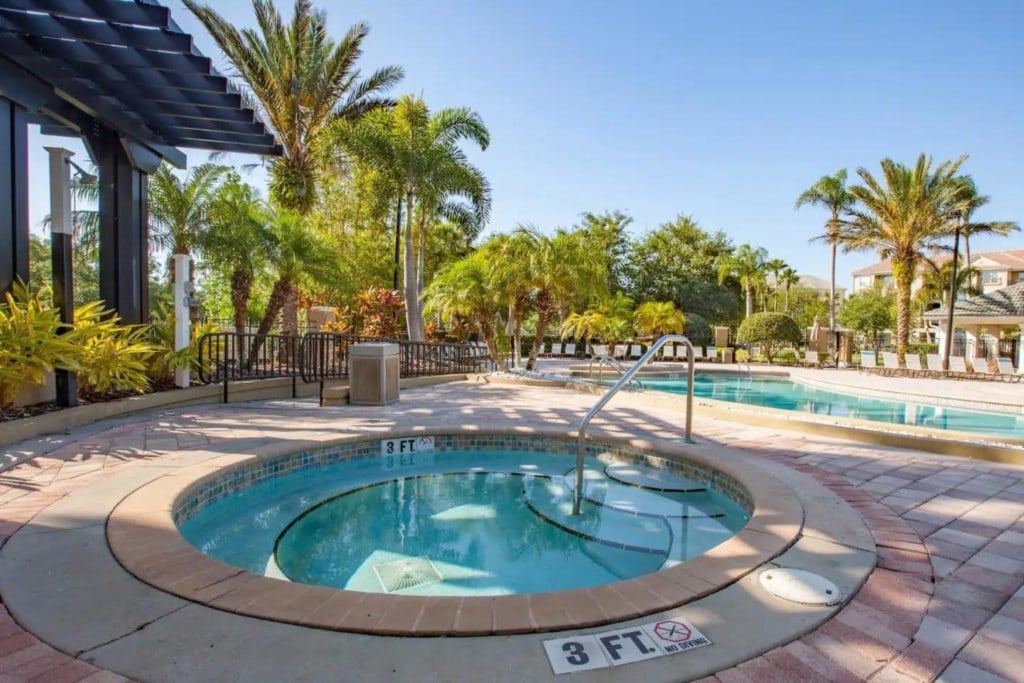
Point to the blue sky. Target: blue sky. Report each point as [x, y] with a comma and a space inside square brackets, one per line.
[722, 110]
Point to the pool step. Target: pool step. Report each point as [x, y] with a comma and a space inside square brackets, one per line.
[652, 478]
[599, 489]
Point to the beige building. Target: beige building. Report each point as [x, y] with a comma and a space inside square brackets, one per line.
[996, 270]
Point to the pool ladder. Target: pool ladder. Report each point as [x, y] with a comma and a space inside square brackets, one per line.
[624, 380]
[614, 364]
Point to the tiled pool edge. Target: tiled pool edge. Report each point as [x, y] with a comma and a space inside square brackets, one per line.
[144, 539]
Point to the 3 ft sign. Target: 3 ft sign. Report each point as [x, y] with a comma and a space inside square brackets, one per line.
[415, 451]
[623, 646]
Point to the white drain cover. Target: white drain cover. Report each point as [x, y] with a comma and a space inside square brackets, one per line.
[407, 572]
[797, 585]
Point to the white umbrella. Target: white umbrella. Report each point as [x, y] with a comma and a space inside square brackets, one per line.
[815, 329]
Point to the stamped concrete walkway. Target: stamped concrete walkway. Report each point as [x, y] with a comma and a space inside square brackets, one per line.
[950, 609]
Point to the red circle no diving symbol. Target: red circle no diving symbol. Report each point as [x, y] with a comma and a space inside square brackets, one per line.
[672, 631]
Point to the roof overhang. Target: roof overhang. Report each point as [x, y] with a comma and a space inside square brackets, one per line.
[126, 65]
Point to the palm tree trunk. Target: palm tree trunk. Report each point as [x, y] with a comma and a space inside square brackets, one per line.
[241, 291]
[903, 277]
[413, 314]
[832, 288]
[750, 300]
[486, 328]
[420, 256]
[274, 305]
[967, 255]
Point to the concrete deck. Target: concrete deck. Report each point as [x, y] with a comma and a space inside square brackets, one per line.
[945, 601]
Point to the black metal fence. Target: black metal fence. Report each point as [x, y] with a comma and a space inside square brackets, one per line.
[324, 355]
[226, 357]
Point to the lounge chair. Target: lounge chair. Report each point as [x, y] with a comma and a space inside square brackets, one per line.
[957, 366]
[980, 366]
[934, 362]
[540, 350]
[914, 366]
[811, 358]
[890, 363]
[1006, 370]
[712, 354]
[868, 361]
[598, 350]
[570, 350]
[668, 352]
[635, 351]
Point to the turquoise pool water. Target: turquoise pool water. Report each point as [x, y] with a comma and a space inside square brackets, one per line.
[787, 395]
[457, 527]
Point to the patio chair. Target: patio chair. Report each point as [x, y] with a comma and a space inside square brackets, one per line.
[811, 358]
[540, 350]
[598, 350]
[934, 362]
[635, 351]
[957, 366]
[569, 350]
[890, 363]
[712, 354]
[980, 366]
[1006, 371]
[868, 361]
[914, 366]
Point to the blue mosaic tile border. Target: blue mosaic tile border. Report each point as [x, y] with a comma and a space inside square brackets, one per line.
[238, 479]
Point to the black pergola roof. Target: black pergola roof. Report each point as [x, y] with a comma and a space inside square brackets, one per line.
[127, 64]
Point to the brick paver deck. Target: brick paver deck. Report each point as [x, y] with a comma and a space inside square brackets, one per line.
[945, 602]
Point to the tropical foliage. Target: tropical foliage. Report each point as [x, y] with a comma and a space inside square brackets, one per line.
[869, 312]
[830, 193]
[31, 342]
[770, 331]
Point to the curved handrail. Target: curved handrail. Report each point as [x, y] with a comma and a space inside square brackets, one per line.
[608, 395]
[612, 363]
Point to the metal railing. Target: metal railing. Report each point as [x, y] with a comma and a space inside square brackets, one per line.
[234, 356]
[608, 395]
[226, 357]
[614, 364]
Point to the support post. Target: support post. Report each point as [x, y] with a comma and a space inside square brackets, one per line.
[124, 232]
[13, 194]
[952, 298]
[1020, 351]
[61, 238]
[182, 318]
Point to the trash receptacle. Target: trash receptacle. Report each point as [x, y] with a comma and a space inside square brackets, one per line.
[373, 371]
[727, 355]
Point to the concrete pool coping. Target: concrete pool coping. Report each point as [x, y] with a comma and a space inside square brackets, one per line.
[145, 540]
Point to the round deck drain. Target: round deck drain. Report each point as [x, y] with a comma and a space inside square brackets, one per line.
[797, 585]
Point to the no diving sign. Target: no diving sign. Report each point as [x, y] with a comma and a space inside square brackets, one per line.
[623, 646]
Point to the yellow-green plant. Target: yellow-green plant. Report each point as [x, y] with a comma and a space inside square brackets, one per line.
[30, 343]
[114, 357]
[166, 360]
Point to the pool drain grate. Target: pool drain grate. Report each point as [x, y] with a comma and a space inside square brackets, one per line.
[408, 572]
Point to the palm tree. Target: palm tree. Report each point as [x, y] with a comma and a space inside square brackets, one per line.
[302, 82]
[566, 270]
[775, 267]
[464, 289]
[935, 281]
[656, 318]
[179, 208]
[830, 192]
[968, 202]
[419, 153]
[787, 279]
[612, 321]
[913, 210]
[747, 265]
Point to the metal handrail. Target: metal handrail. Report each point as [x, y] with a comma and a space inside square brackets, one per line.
[623, 381]
[612, 363]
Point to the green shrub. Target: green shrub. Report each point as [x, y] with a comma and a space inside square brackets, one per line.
[742, 355]
[787, 356]
[923, 349]
[165, 359]
[29, 342]
[113, 357]
[770, 331]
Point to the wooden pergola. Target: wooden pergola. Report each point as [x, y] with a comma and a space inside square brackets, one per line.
[122, 76]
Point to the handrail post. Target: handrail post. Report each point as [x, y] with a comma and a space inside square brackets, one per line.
[627, 376]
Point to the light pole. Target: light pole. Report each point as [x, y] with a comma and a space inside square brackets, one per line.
[948, 346]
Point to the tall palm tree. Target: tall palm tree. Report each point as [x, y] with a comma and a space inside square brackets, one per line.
[465, 289]
[514, 264]
[913, 209]
[936, 277]
[656, 318]
[787, 278]
[302, 81]
[179, 208]
[967, 203]
[775, 266]
[420, 154]
[830, 192]
[747, 265]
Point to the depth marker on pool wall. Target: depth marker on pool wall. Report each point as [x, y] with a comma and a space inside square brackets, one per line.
[623, 646]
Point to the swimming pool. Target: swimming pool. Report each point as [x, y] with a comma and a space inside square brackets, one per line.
[463, 521]
[788, 395]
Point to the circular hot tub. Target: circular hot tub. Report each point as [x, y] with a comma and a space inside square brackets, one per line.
[467, 527]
